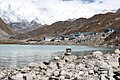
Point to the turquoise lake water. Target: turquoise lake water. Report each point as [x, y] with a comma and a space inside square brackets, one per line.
[21, 55]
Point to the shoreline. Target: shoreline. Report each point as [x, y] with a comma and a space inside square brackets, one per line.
[95, 66]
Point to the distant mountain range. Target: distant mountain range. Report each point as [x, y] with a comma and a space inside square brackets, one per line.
[22, 27]
[97, 23]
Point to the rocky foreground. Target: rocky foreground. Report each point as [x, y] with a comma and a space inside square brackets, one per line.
[97, 66]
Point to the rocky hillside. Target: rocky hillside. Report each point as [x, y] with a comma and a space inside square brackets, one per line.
[4, 28]
[97, 23]
[22, 27]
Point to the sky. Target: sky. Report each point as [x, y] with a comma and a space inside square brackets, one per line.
[49, 11]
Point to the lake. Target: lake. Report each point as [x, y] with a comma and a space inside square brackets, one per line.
[21, 55]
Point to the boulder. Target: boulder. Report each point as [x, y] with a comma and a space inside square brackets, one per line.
[81, 73]
[117, 51]
[63, 73]
[97, 54]
[56, 73]
[70, 58]
[70, 66]
[56, 58]
[53, 66]
[61, 63]
[42, 65]
[68, 75]
[25, 70]
[62, 77]
[2, 75]
[91, 72]
[49, 72]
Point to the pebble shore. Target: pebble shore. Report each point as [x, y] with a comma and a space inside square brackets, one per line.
[97, 66]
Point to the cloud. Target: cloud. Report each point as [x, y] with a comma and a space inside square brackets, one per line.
[49, 11]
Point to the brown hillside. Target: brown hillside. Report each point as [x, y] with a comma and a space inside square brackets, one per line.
[4, 27]
[97, 23]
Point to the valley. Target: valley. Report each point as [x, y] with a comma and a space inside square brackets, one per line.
[99, 30]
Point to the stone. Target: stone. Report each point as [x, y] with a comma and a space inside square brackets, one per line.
[70, 66]
[91, 72]
[56, 73]
[114, 64]
[70, 58]
[25, 70]
[81, 73]
[42, 65]
[53, 66]
[62, 77]
[53, 78]
[2, 75]
[68, 75]
[61, 63]
[33, 65]
[103, 77]
[63, 73]
[44, 78]
[56, 58]
[117, 51]
[80, 66]
[68, 53]
[89, 64]
[97, 54]
[48, 72]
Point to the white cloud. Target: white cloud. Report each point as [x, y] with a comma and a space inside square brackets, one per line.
[49, 11]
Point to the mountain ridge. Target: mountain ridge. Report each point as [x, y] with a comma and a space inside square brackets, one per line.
[97, 23]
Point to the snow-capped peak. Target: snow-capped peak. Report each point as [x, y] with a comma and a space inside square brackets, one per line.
[49, 11]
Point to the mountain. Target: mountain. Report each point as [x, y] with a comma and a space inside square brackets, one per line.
[48, 12]
[5, 32]
[23, 27]
[97, 23]
[5, 29]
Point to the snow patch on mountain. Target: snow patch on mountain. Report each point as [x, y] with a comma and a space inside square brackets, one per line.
[49, 11]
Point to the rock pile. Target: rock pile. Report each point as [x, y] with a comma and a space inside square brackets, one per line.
[97, 66]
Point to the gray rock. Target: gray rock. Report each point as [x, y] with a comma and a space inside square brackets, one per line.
[63, 73]
[91, 72]
[42, 65]
[70, 58]
[48, 72]
[68, 75]
[56, 73]
[2, 75]
[53, 66]
[97, 54]
[25, 70]
[62, 77]
[117, 51]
